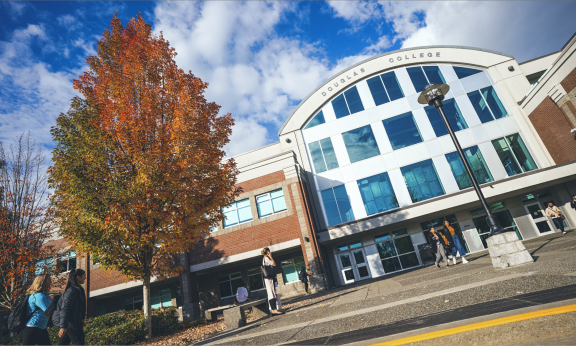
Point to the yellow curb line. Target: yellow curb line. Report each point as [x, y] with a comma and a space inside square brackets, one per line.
[480, 325]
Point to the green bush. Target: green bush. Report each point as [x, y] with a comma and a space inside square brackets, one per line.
[124, 327]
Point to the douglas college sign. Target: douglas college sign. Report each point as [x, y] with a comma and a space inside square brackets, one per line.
[339, 82]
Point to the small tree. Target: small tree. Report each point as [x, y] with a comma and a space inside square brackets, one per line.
[139, 171]
[25, 225]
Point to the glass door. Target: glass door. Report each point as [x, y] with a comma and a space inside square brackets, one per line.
[505, 220]
[346, 267]
[539, 218]
[361, 265]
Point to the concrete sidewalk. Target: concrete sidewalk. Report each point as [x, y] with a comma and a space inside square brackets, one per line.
[366, 310]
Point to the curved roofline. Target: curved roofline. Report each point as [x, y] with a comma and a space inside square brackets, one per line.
[376, 57]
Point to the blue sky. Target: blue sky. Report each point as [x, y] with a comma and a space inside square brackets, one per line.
[260, 59]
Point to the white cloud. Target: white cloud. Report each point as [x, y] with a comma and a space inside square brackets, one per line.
[382, 45]
[356, 11]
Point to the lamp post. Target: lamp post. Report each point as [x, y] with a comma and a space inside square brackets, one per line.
[432, 95]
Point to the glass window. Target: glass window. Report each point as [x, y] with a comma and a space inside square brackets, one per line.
[255, 279]
[487, 104]
[237, 213]
[422, 181]
[396, 253]
[505, 220]
[377, 90]
[418, 78]
[476, 161]
[161, 299]
[493, 208]
[271, 203]
[228, 284]
[510, 158]
[134, 303]
[354, 101]
[434, 75]
[42, 265]
[291, 269]
[317, 120]
[101, 309]
[463, 72]
[337, 205]
[360, 144]
[453, 114]
[392, 86]
[340, 107]
[323, 155]
[377, 193]
[402, 131]
[66, 263]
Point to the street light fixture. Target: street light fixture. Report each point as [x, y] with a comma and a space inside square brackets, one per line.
[432, 95]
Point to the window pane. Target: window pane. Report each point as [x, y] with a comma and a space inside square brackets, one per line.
[354, 101]
[290, 274]
[496, 106]
[265, 208]
[166, 299]
[402, 131]
[383, 237]
[340, 108]
[229, 208]
[377, 194]
[392, 86]
[231, 218]
[355, 245]
[235, 284]
[317, 120]
[522, 153]
[458, 170]
[399, 232]
[506, 157]
[386, 249]
[391, 265]
[409, 261]
[404, 245]
[434, 75]
[329, 154]
[225, 289]
[360, 144]
[463, 72]
[223, 278]
[71, 263]
[277, 193]
[480, 106]
[287, 262]
[377, 90]
[422, 181]
[243, 203]
[505, 219]
[255, 281]
[245, 214]
[452, 113]
[279, 204]
[155, 302]
[262, 198]
[476, 162]
[317, 158]
[299, 260]
[417, 77]
[343, 203]
[330, 206]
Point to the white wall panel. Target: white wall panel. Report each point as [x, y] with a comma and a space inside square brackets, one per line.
[365, 95]
[468, 111]
[434, 148]
[456, 89]
[328, 112]
[374, 262]
[414, 153]
[446, 144]
[373, 115]
[476, 81]
[330, 178]
[399, 187]
[507, 125]
[333, 128]
[381, 137]
[480, 134]
[353, 121]
[393, 108]
[493, 129]
[340, 150]
[413, 101]
[465, 138]
[418, 238]
[405, 82]
[448, 73]
[390, 161]
[445, 174]
[347, 174]
[316, 133]
[368, 167]
[355, 200]
[423, 123]
[492, 160]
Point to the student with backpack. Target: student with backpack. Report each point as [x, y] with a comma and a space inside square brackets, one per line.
[71, 310]
[35, 332]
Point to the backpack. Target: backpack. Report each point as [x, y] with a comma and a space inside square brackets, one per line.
[52, 308]
[19, 316]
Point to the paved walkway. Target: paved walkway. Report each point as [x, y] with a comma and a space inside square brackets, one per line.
[414, 299]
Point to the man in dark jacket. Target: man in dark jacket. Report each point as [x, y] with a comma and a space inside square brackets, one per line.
[71, 310]
[573, 202]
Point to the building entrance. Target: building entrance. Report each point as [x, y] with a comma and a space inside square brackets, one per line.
[538, 218]
[353, 264]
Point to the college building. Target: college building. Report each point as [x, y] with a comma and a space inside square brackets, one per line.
[361, 171]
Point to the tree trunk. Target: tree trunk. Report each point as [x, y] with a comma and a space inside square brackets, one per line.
[147, 306]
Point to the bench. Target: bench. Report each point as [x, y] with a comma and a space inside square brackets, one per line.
[234, 316]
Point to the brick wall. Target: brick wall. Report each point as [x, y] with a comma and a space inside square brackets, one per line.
[100, 279]
[569, 82]
[554, 130]
[263, 181]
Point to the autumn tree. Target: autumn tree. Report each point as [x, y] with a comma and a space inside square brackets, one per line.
[139, 170]
[25, 224]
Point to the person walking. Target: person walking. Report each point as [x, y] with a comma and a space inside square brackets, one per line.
[556, 214]
[71, 310]
[268, 260]
[456, 241]
[573, 202]
[437, 243]
[303, 276]
[35, 332]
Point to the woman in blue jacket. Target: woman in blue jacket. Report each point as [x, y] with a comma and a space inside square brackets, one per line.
[35, 332]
